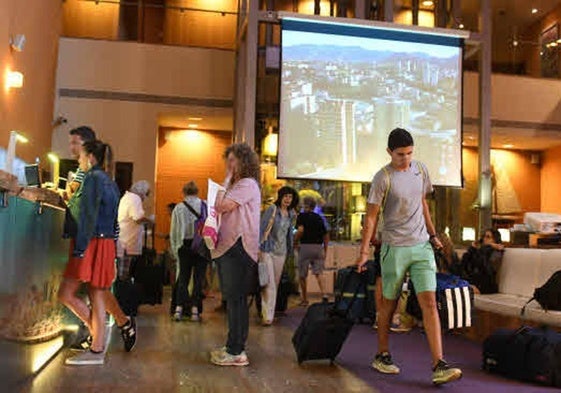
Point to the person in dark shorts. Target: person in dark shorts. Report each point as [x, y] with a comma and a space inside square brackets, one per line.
[312, 241]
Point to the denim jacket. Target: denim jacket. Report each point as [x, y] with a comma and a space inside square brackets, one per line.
[268, 245]
[93, 210]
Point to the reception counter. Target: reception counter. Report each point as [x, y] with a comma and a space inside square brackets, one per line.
[32, 258]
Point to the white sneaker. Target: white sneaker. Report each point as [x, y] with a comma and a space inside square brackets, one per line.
[87, 358]
[195, 317]
[223, 358]
[178, 316]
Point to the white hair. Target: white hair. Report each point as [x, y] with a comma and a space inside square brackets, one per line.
[140, 188]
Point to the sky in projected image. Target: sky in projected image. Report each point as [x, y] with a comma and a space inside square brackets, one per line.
[294, 38]
[342, 95]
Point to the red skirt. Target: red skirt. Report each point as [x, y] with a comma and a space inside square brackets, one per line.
[97, 267]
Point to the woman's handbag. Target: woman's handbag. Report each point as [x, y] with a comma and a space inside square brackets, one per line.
[263, 273]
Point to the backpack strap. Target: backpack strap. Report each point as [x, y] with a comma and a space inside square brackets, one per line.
[523, 311]
[386, 193]
[192, 210]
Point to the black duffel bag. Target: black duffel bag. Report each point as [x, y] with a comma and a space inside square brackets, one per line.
[527, 354]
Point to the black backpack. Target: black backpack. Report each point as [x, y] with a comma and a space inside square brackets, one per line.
[476, 267]
[549, 294]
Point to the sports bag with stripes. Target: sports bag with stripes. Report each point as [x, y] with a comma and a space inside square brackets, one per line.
[454, 300]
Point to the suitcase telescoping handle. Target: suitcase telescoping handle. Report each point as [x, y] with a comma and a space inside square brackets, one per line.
[364, 278]
[152, 235]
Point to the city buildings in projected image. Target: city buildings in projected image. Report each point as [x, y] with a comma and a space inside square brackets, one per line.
[341, 96]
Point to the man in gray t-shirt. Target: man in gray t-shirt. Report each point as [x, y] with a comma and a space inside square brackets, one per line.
[397, 203]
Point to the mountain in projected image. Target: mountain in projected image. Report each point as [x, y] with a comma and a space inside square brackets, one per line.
[352, 54]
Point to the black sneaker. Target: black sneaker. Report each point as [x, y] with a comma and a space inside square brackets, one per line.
[443, 373]
[82, 344]
[128, 333]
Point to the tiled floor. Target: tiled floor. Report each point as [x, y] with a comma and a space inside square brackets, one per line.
[173, 357]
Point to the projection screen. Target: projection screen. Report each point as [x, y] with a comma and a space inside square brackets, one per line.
[345, 87]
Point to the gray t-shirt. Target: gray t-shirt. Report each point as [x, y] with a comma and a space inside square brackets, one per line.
[403, 218]
[279, 235]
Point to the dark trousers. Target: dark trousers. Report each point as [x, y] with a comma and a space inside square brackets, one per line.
[190, 264]
[236, 271]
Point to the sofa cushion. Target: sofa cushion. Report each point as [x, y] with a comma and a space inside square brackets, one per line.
[518, 274]
[511, 305]
[550, 263]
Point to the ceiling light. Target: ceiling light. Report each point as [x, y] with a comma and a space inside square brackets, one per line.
[534, 10]
[192, 125]
[461, 26]
[428, 3]
[553, 44]
[195, 118]
[508, 146]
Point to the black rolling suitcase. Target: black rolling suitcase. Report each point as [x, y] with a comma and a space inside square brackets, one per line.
[283, 292]
[527, 354]
[149, 274]
[323, 331]
[128, 296]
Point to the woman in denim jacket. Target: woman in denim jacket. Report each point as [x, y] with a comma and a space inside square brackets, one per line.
[90, 224]
[276, 239]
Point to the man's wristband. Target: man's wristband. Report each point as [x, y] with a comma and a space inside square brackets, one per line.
[432, 237]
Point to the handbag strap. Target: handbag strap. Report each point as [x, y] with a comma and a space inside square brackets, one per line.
[192, 210]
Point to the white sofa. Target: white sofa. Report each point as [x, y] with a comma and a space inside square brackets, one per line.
[522, 271]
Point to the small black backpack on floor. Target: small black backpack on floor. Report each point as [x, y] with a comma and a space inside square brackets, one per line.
[549, 294]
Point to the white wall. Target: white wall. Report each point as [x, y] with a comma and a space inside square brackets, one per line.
[131, 127]
[144, 68]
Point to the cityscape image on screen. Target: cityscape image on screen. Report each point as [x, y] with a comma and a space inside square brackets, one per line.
[342, 95]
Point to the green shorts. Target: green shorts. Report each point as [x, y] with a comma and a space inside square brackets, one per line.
[397, 261]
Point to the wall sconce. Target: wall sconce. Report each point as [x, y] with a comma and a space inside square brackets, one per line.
[15, 137]
[468, 234]
[17, 42]
[55, 168]
[14, 80]
[271, 144]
